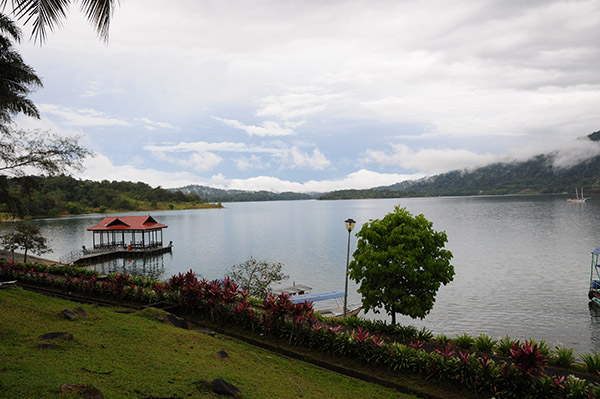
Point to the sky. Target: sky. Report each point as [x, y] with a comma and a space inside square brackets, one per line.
[316, 96]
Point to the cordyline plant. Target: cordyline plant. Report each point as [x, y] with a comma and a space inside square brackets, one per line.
[527, 359]
[523, 377]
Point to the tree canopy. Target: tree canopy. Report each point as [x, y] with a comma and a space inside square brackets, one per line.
[39, 196]
[17, 79]
[27, 237]
[255, 276]
[400, 263]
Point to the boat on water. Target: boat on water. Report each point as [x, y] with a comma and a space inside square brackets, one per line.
[594, 292]
[302, 293]
[578, 199]
[335, 311]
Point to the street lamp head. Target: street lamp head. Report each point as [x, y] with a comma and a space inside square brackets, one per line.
[350, 224]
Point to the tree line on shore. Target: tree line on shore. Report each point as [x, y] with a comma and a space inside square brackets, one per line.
[39, 196]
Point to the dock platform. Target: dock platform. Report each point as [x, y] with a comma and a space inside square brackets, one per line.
[97, 255]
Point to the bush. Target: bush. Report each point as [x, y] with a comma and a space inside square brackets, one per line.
[424, 335]
[504, 346]
[562, 357]
[464, 341]
[485, 343]
[442, 339]
[591, 361]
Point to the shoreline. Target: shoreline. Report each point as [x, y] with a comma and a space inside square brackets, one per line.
[4, 254]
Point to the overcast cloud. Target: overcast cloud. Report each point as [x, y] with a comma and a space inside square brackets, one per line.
[319, 96]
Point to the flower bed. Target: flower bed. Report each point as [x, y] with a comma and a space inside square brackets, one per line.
[523, 375]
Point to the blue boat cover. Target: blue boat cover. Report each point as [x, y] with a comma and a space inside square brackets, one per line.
[596, 251]
[317, 296]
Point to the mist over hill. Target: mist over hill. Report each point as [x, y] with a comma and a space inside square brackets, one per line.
[556, 172]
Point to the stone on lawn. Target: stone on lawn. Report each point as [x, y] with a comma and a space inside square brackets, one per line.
[222, 387]
[81, 311]
[69, 314]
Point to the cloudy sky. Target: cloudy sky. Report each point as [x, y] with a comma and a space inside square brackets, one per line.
[320, 95]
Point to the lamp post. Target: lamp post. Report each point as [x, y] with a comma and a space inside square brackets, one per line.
[349, 226]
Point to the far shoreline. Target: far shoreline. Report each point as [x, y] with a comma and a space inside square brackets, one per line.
[5, 219]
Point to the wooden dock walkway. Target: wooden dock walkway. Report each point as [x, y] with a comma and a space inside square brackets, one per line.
[98, 255]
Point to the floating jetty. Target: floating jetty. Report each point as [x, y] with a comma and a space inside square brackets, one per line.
[124, 236]
[99, 255]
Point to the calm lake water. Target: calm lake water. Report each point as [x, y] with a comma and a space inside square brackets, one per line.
[522, 263]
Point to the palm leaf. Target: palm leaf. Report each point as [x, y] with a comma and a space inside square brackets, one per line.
[99, 13]
[46, 15]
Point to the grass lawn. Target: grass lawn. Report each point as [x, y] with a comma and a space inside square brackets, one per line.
[135, 355]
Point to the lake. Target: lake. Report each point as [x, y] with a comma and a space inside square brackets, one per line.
[522, 262]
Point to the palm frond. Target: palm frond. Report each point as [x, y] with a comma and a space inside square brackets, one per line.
[44, 15]
[8, 27]
[99, 13]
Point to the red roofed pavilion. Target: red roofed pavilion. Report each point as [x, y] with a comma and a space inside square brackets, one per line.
[131, 232]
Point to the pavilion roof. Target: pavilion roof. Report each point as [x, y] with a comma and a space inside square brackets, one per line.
[112, 223]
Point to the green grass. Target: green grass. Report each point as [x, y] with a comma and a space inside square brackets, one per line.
[135, 355]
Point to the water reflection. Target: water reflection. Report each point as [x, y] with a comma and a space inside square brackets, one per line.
[152, 267]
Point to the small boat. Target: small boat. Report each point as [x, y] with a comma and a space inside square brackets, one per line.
[336, 311]
[578, 199]
[295, 289]
[594, 292]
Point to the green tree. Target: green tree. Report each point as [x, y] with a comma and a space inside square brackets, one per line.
[400, 264]
[17, 79]
[46, 15]
[27, 237]
[256, 276]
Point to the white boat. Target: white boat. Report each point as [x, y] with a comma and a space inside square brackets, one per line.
[336, 311]
[295, 289]
[578, 199]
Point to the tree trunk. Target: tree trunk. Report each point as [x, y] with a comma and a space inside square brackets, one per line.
[393, 318]
[25, 256]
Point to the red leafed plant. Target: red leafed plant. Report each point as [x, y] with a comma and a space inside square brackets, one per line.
[416, 344]
[446, 350]
[527, 359]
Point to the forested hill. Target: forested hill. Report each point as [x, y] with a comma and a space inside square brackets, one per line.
[220, 195]
[536, 175]
[37, 196]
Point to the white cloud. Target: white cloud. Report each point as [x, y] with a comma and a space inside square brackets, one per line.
[152, 125]
[101, 168]
[81, 117]
[288, 158]
[361, 179]
[199, 161]
[303, 160]
[429, 161]
[268, 128]
[296, 103]
[251, 162]
[474, 78]
[579, 151]
[201, 146]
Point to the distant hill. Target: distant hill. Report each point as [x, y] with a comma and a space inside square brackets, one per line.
[536, 175]
[220, 195]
